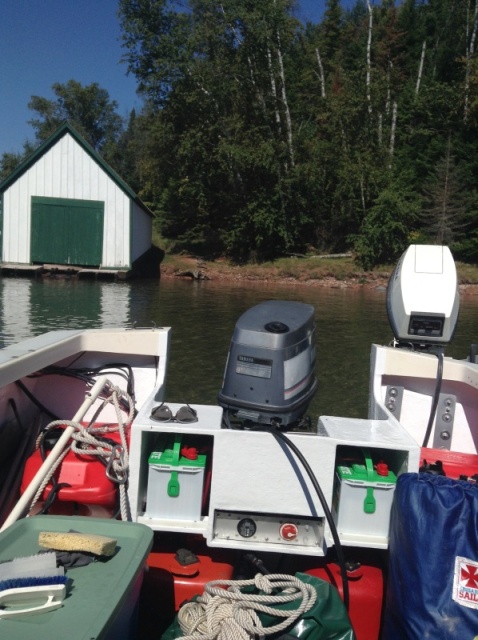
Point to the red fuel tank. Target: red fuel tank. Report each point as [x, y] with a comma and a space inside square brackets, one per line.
[84, 476]
[174, 575]
[366, 592]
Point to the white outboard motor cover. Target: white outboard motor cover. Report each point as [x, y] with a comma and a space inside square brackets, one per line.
[422, 296]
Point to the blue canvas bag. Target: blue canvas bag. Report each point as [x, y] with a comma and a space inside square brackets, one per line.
[432, 589]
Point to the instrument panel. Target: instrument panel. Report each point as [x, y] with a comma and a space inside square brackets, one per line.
[260, 528]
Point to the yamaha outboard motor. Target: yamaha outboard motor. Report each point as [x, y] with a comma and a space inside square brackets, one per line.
[422, 297]
[270, 371]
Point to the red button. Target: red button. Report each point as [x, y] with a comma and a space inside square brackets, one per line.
[289, 531]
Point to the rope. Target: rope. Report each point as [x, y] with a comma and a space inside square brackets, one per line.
[224, 612]
[88, 441]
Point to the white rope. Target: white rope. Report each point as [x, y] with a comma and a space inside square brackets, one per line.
[86, 441]
[224, 612]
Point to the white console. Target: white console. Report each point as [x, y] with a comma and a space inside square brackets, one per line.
[256, 494]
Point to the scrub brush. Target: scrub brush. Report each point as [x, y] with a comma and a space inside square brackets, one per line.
[30, 585]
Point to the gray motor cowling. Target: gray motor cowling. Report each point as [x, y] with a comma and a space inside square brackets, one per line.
[270, 370]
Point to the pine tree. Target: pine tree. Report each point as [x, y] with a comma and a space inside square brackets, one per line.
[444, 215]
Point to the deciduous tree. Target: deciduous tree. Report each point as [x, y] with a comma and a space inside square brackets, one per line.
[89, 109]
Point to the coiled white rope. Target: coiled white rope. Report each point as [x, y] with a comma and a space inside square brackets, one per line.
[85, 442]
[224, 612]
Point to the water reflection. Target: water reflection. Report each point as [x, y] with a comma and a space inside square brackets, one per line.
[30, 307]
[203, 315]
[15, 295]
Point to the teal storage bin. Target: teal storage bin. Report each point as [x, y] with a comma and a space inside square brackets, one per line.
[102, 602]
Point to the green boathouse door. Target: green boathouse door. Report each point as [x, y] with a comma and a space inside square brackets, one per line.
[65, 231]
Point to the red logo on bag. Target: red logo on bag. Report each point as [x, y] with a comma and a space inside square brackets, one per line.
[465, 582]
[469, 576]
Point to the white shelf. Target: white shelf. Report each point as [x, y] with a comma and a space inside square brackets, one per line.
[371, 542]
[180, 526]
[209, 419]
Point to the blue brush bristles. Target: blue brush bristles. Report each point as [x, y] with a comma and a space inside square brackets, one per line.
[30, 567]
[39, 581]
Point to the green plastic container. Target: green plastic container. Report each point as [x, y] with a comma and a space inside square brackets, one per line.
[102, 601]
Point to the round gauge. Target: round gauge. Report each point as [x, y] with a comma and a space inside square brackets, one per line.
[246, 527]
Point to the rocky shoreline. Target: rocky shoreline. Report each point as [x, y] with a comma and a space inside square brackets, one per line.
[255, 274]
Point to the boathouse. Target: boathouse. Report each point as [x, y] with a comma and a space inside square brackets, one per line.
[64, 205]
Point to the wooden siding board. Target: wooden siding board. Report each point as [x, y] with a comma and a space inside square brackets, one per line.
[141, 231]
[41, 176]
[56, 187]
[131, 232]
[1, 223]
[122, 238]
[7, 234]
[12, 224]
[47, 165]
[93, 182]
[111, 223]
[72, 161]
[15, 214]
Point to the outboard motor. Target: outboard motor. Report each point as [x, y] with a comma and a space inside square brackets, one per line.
[422, 297]
[422, 305]
[270, 371]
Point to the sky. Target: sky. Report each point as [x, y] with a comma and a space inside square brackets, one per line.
[47, 41]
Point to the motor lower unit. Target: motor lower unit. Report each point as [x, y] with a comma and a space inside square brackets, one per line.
[270, 371]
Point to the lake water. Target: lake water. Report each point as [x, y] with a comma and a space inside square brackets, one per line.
[203, 315]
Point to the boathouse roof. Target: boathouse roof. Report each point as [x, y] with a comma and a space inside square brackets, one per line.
[40, 151]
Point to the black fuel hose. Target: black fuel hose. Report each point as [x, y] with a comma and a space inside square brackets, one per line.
[436, 397]
[279, 435]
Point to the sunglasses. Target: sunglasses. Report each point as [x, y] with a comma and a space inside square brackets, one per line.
[162, 413]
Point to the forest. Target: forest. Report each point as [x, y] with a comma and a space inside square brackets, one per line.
[261, 136]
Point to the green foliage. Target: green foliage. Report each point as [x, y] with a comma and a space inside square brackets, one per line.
[385, 229]
[88, 108]
[466, 250]
[8, 163]
[445, 214]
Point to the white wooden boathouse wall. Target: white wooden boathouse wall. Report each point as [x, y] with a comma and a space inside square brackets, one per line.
[141, 229]
[66, 170]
